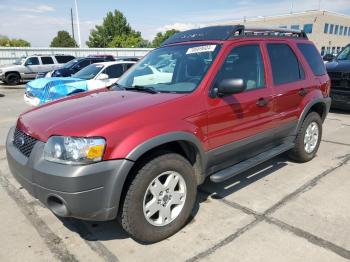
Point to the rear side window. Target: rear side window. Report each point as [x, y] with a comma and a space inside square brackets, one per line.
[114, 71]
[46, 60]
[285, 65]
[62, 59]
[313, 58]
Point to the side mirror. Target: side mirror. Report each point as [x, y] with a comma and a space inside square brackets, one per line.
[230, 86]
[102, 76]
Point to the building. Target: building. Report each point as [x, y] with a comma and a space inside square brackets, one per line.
[328, 30]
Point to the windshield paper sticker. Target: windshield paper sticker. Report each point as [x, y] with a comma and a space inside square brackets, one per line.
[201, 49]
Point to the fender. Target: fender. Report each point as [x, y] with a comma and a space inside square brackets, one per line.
[326, 101]
[166, 138]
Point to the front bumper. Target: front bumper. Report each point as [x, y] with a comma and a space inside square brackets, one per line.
[340, 99]
[90, 192]
[30, 100]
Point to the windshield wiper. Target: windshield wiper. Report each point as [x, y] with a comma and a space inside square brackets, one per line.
[147, 89]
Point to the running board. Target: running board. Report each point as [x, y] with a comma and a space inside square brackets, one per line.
[249, 163]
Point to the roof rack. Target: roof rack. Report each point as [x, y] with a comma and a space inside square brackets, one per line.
[226, 32]
[271, 31]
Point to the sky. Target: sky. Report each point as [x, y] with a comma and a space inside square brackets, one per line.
[38, 21]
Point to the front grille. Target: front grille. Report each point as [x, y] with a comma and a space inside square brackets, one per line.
[340, 80]
[23, 142]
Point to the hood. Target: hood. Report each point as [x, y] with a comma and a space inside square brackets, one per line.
[41, 83]
[338, 66]
[86, 114]
[49, 89]
[10, 66]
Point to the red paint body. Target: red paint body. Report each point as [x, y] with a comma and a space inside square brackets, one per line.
[126, 119]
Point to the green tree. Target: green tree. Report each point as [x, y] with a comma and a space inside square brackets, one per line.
[63, 39]
[131, 40]
[115, 31]
[20, 43]
[5, 41]
[160, 37]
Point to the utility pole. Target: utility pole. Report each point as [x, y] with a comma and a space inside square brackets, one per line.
[319, 5]
[78, 25]
[291, 7]
[71, 18]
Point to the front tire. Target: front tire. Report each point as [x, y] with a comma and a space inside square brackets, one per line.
[159, 199]
[13, 79]
[308, 139]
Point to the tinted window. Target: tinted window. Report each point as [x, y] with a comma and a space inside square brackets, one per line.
[308, 28]
[285, 65]
[336, 29]
[341, 30]
[128, 66]
[345, 30]
[46, 60]
[62, 59]
[32, 61]
[296, 27]
[313, 58]
[331, 28]
[114, 71]
[344, 54]
[84, 63]
[325, 28]
[244, 62]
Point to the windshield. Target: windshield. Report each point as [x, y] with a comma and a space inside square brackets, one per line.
[70, 63]
[344, 54]
[89, 72]
[19, 61]
[175, 69]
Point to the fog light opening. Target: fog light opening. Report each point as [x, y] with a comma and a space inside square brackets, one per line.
[57, 206]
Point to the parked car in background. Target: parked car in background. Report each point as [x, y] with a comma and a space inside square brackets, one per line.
[140, 149]
[94, 76]
[26, 68]
[339, 73]
[135, 59]
[77, 64]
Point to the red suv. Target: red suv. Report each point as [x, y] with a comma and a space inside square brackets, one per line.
[211, 102]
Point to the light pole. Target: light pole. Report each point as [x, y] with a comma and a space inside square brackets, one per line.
[78, 25]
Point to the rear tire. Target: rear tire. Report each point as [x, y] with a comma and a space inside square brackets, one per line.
[159, 199]
[308, 139]
[13, 79]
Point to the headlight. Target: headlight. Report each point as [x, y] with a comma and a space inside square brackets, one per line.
[74, 150]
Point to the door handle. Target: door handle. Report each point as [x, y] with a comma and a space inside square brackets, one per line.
[262, 102]
[303, 92]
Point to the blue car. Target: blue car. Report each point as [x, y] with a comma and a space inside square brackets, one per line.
[94, 76]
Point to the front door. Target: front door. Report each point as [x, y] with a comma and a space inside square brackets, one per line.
[32, 67]
[240, 125]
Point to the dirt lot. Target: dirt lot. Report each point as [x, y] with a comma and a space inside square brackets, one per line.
[280, 211]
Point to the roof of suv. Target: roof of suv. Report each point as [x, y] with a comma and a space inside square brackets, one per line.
[227, 32]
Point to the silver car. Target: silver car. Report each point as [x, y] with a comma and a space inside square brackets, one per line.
[26, 68]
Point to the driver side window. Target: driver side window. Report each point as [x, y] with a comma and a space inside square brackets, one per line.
[244, 62]
[32, 61]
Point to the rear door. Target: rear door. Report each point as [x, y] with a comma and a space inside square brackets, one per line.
[47, 64]
[241, 125]
[289, 83]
